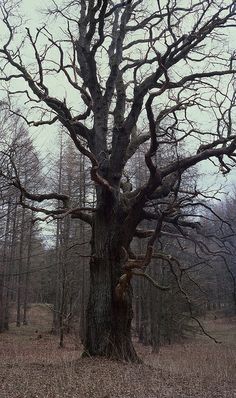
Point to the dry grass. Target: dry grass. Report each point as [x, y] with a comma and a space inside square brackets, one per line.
[36, 368]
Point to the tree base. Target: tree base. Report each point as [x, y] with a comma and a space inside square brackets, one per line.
[123, 353]
[134, 358]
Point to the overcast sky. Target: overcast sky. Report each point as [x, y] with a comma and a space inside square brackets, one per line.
[45, 138]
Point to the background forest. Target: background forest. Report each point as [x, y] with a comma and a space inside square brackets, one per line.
[46, 260]
[117, 236]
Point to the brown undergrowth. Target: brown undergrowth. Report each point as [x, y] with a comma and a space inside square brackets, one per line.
[35, 367]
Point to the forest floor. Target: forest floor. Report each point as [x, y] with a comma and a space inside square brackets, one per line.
[35, 367]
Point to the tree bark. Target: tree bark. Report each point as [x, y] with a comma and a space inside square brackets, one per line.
[19, 277]
[56, 304]
[108, 319]
[26, 285]
[4, 272]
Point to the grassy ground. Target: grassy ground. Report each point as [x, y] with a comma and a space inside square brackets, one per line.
[35, 367]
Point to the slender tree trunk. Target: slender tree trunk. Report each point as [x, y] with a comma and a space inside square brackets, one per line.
[82, 326]
[144, 336]
[138, 294]
[2, 282]
[1, 304]
[26, 289]
[4, 276]
[19, 278]
[56, 304]
[154, 309]
[12, 252]
[6, 268]
[65, 233]
[143, 330]
[137, 305]
[61, 314]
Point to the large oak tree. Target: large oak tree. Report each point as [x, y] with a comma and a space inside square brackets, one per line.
[151, 74]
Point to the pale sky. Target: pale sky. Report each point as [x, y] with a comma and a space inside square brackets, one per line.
[45, 137]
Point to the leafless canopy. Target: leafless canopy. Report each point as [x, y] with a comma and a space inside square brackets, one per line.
[138, 73]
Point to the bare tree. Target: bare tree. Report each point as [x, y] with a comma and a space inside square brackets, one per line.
[140, 72]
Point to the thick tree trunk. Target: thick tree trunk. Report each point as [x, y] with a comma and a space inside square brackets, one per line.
[108, 322]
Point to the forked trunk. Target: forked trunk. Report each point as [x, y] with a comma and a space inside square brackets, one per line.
[108, 323]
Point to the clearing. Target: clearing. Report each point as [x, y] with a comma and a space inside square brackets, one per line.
[35, 367]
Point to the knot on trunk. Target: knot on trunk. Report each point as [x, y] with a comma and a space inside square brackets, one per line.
[128, 267]
[124, 281]
[141, 263]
